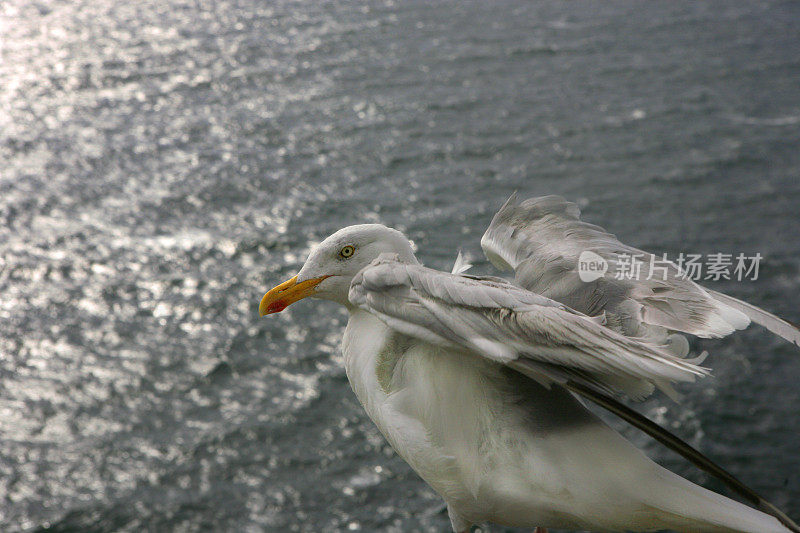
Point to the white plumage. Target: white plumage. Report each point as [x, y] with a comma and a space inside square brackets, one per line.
[463, 375]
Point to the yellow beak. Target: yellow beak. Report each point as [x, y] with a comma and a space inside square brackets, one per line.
[287, 293]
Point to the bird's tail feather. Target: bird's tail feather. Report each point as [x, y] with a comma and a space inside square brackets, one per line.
[689, 507]
[780, 521]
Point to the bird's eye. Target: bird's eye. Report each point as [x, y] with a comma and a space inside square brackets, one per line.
[347, 251]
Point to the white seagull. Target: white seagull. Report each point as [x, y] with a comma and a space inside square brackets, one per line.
[474, 381]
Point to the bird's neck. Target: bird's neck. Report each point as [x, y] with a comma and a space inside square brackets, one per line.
[364, 340]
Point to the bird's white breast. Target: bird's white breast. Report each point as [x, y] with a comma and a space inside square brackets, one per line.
[439, 409]
[456, 420]
[414, 393]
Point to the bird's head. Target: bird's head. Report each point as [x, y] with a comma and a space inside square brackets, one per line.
[333, 264]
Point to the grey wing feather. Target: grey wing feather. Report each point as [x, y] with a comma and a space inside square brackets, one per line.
[510, 325]
[775, 324]
[543, 239]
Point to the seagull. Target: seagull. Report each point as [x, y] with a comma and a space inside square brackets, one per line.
[480, 383]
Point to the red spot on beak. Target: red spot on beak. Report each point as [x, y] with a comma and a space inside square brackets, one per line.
[277, 306]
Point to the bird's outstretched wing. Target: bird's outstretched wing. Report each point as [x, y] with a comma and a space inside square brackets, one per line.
[511, 325]
[552, 252]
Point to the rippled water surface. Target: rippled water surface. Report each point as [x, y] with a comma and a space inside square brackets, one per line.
[163, 163]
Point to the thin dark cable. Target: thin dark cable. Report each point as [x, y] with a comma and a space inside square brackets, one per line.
[676, 444]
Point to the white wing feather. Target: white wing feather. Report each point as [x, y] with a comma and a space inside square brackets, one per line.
[542, 239]
[509, 324]
[461, 264]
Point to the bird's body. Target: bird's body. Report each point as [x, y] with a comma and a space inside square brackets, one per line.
[501, 448]
[467, 378]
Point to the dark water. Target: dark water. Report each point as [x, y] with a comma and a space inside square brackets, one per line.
[163, 163]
